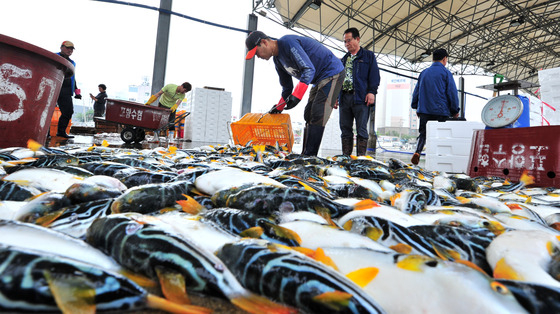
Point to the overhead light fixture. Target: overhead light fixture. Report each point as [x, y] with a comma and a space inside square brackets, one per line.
[491, 64]
[517, 22]
[426, 54]
[315, 4]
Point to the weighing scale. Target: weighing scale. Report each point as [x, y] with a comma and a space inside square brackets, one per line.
[502, 111]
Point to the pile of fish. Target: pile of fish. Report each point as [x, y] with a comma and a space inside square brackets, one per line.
[114, 229]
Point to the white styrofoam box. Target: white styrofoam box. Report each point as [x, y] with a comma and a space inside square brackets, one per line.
[451, 164]
[452, 129]
[449, 146]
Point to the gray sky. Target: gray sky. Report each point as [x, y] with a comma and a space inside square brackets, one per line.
[115, 45]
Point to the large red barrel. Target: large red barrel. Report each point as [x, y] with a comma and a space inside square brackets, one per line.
[30, 81]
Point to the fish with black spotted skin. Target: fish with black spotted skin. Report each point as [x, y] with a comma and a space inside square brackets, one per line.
[154, 249]
[32, 281]
[293, 278]
[270, 200]
[149, 198]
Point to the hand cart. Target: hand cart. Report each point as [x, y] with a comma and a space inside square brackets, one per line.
[136, 118]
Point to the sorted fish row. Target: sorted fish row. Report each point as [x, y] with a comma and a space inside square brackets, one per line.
[111, 229]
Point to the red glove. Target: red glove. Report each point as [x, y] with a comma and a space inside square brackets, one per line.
[296, 96]
[278, 107]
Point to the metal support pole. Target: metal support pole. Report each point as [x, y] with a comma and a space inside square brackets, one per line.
[372, 136]
[248, 71]
[462, 96]
[162, 43]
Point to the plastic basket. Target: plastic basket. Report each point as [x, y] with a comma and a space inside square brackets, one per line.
[264, 129]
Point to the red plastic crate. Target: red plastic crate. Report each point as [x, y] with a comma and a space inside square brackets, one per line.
[264, 129]
[507, 152]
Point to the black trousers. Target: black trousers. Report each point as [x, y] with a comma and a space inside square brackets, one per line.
[66, 111]
[424, 118]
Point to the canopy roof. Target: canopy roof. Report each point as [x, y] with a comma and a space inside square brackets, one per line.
[514, 38]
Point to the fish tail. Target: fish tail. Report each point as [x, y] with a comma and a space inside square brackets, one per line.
[526, 178]
[158, 303]
[258, 304]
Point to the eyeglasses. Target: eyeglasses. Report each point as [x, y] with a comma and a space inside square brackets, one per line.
[347, 41]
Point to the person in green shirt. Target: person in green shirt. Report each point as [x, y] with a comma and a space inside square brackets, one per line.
[170, 97]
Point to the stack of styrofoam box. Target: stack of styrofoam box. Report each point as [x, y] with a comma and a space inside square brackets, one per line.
[448, 145]
[210, 112]
[550, 94]
[331, 136]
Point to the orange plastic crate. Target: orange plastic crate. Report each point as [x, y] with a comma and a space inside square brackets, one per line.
[264, 129]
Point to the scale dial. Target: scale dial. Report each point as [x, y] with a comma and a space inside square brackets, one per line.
[501, 111]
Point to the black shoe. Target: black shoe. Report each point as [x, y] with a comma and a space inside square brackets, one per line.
[64, 135]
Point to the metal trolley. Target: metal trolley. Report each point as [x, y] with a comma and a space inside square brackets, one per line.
[136, 118]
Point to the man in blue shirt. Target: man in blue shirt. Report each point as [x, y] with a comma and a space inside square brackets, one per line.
[311, 63]
[435, 97]
[358, 93]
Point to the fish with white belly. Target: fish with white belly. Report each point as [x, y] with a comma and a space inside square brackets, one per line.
[420, 284]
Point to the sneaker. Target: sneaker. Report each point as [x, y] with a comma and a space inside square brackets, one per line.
[64, 135]
[415, 159]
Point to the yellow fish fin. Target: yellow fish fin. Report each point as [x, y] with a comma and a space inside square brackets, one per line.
[365, 204]
[336, 300]
[320, 256]
[413, 262]
[307, 187]
[33, 145]
[105, 143]
[401, 248]
[173, 286]
[445, 254]
[373, 233]
[348, 225]
[140, 280]
[190, 205]
[504, 271]
[362, 277]
[257, 304]
[157, 303]
[47, 219]
[254, 232]
[471, 265]
[72, 294]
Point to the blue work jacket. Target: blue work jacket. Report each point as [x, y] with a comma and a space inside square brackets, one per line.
[365, 76]
[305, 59]
[436, 93]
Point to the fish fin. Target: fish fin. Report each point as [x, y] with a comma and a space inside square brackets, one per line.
[373, 233]
[326, 215]
[463, 199]
[173, 286]
[529, 200]
[362, 277]
[157, 303]
[140, 280]
[503, 270]
[348, 225]
[365, 204]
[320, 256]
[413, 262]
[514, 206]
[307, 187]
[194, 190]
[105, 143]
[280, 232]
[190, 205]
[401, 248]
[555, 225]
[470, 264]
[336, 300]
[34, 145]
[526, 178]
[253, 232]
[305, 251]
[394, 198]
[47, 219]
[257, 304]
[72, 294]
[445, 254]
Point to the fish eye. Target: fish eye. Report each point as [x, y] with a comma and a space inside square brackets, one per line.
[498, 287]
[485, 223]
[432, 263]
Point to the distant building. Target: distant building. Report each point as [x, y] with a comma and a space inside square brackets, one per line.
[140, 93]
[394, 113]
